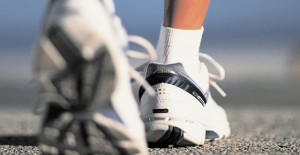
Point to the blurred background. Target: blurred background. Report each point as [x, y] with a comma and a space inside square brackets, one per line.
[258, 43]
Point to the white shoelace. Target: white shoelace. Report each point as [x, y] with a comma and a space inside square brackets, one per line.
[215, 77]
[151, 56]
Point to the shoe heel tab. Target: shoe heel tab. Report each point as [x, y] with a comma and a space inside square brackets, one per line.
[175, 68]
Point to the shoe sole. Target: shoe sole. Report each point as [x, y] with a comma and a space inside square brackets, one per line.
[72, 129]
[165, 133]
[169, 135]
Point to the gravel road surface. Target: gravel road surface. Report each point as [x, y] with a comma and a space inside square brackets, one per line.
[258, 131]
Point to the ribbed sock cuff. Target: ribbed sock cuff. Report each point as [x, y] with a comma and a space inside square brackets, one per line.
[171, 39]
[180, 38]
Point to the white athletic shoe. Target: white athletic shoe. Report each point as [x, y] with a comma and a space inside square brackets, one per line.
[83, 78]
[182, 113]
[216, 122]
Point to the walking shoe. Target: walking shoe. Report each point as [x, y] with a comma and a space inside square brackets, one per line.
[216, 123]
[83, 79]
[182, 113]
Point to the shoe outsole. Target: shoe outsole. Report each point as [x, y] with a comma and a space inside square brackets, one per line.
[163, 135]
[171, 137]
[69, 129]
[65, 133]
[176, 137]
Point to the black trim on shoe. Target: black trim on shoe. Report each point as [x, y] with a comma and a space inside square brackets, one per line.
[160, 110]
[65, 46]
[171, 137]
[82, 77]
[211, 135]
[175, 80]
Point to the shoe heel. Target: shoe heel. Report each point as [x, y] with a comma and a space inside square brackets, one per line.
[163, 135]
[169, 113]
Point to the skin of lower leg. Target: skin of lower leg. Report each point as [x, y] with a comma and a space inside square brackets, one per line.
[185, 14]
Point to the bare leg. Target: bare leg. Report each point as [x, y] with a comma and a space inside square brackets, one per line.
[185, 14]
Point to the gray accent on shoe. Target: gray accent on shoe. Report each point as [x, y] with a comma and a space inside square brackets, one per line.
[174, 74]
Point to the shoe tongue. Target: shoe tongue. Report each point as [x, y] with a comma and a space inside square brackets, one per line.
[176, 68]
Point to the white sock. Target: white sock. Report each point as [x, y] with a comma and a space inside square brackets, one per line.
[176, 45]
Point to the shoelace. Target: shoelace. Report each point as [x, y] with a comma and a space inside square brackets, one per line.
[136, 54]
[151, 56]
[215, 77]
